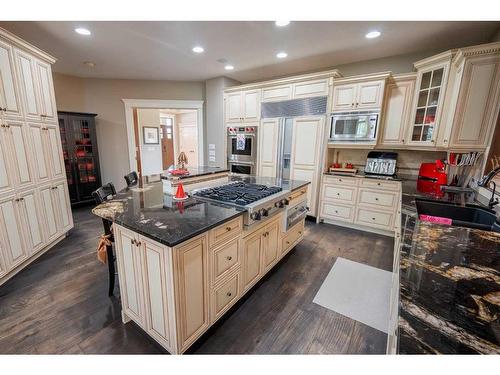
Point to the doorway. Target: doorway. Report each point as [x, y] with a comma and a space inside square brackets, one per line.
[159, 130]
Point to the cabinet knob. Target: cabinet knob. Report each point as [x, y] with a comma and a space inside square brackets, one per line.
[373, 218]
[229, 294]
[336, 212]
[378, 183]
[228, 229]
[376, 199]
[338, 193]
[402, 140]
[300, 232]
[229, 257]
[288, 242]
[340, 180]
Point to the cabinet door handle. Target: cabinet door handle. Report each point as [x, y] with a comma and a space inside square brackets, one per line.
[229, 257]
[229, 294]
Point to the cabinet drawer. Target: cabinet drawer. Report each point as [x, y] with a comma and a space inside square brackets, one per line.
[292, 236]
[297, 196]
[340, 180]
[224, 296]
[339, 193]
[377, 219]
[224, 258]
[270, 94]
[382, 185]
[337, 211]
[379, 199]
[226, 231]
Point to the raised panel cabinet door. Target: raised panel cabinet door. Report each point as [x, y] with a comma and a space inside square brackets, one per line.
[344, 97]
[49, 211]
[54, 151]
[61, 196]
[39, 151]
[26, 70]
[19, 148]
[311, 88]
[276, 93]
[251, 105]
[191, 291]
[129, 263]
[47, 98]
[477, 103]
[396, 115]
[11, 229]
[306, 142]
[370, 95]
[269, 130]
[3, 264]
[7, 176]
[251, 259]
[270, 245]
[234, 112]
[32, 221]
[307, 175]
[9, 97]
[158, 290]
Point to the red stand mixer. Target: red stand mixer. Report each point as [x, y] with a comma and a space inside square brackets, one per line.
[431, 177]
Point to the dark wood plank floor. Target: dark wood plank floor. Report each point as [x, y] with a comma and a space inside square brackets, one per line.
[59, 304]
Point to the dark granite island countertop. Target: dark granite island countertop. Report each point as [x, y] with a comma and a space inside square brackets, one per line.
[148, 210]
[449, 285]
[194, 172]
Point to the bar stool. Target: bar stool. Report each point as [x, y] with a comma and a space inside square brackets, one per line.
[131, 178]
[103, 194]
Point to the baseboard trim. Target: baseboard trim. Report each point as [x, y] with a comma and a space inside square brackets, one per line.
[30, 260]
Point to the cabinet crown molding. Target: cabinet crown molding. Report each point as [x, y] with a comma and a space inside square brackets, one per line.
[440, 57]
[22, 44]
[334, 73]
[363, 78]
[476, 51]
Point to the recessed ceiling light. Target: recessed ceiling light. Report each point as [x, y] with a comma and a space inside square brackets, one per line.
[229, 67]
[281, 55]
[198, 49]
[282, 23]
[90, 64]
[82, 31]
[373, 34]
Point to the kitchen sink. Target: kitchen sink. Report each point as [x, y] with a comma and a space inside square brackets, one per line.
[470, 215]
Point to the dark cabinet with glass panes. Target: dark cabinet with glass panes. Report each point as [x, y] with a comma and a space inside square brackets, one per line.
[81, 158]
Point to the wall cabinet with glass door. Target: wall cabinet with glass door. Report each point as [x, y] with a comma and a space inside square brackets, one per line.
[432, 78]
[80, 155]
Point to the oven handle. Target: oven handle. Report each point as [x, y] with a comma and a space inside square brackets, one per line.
[296, 219]
[240, 162]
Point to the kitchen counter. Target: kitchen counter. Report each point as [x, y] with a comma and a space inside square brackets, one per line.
[194, 172]
[449, 284]
[146, 209]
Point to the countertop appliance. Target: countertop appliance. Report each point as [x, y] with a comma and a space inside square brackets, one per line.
[431, 177]
[242, 149]
[358, 126]
[259, 201]
[286, 111]
[381, 163]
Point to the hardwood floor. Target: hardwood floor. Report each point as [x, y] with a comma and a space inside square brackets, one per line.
[59, 304]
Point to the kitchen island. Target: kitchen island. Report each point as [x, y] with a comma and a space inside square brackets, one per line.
[183, 264]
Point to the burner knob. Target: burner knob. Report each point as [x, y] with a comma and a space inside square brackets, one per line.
[255, 215]
[279, 204]
[264, 212]
[285, 202]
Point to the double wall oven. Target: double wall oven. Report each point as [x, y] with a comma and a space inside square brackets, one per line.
[242, 149]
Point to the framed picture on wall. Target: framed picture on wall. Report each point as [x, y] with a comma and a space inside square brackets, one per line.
[150, 135]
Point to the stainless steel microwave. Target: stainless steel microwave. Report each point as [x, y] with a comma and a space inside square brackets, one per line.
[354, 126]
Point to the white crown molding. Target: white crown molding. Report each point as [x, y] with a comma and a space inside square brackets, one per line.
[363, 78]
[22, 44]
[435, 59]
[477, 51]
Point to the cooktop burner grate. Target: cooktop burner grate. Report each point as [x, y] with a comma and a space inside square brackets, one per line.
[239, 193]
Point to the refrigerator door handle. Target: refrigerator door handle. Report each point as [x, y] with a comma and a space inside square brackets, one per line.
[281, 141]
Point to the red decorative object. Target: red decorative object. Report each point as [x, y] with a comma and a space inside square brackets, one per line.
[431, 177]
[179, 172]
[180, 193]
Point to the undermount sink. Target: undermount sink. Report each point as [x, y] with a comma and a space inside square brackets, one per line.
[470, 216]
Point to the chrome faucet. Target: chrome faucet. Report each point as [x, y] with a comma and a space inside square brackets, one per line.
[485, 181]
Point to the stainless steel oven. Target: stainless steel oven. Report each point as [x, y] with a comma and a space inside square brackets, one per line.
[242, 144]
[354, 126]
[295, 214]
[241, 167]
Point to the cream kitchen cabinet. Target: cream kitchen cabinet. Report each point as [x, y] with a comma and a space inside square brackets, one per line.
[7, 176]
[270, 245]
[242, 106]
[9, 94]
[395, 116]
[32, 220]
[65, 219]
[49, 210]
[311, 88]
[46, 91]
[40, 151]
[15, 139]
[11, 230]
[306, 155]
[428, 99]
[475, 98]
[277, 93]
[358, 93]
[268, 147]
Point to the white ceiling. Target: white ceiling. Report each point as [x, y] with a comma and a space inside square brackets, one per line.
[162, 50]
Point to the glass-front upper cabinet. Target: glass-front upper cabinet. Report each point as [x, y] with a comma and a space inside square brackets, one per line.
[428, 100]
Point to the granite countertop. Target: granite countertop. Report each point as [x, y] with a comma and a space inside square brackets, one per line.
[145, 208]
[194, 172]
[449, 284]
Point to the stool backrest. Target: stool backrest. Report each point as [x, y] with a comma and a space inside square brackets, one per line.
[104, 193]
[131, 178]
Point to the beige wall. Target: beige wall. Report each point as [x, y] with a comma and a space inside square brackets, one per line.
[104, 97]
[151, 158]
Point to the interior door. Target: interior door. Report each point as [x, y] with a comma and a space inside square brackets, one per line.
[9, 99]
[188, 143]
[167, 145]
